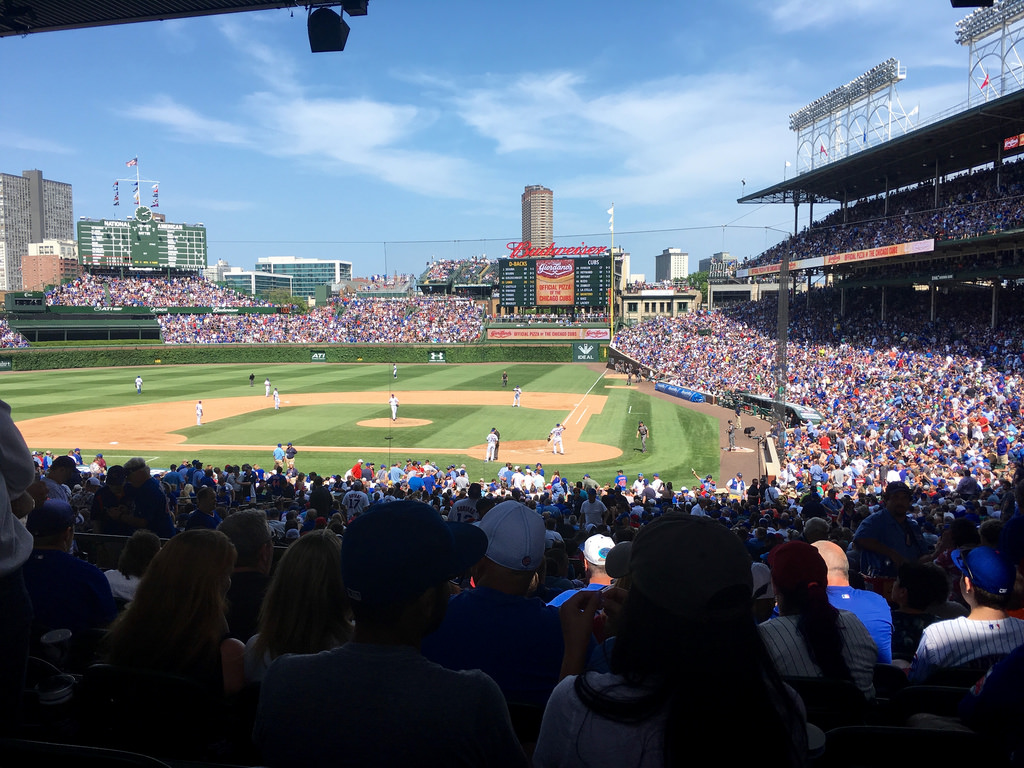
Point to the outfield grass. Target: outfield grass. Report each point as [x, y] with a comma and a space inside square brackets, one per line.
[680, 438]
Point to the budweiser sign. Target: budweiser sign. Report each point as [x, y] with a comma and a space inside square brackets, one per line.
[555, 268]
[519, 250]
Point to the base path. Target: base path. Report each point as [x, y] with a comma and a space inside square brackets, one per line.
[150, 428]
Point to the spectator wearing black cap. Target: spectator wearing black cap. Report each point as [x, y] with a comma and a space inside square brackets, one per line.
[689, 599]
[889, 537]
[376, 700]
[66, 593]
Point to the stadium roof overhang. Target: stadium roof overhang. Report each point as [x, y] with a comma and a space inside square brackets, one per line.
[22, 17]
[965, 140]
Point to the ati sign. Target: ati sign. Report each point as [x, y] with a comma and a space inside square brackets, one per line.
[586, 352]
[6, 364]
[437, 356]
[318, 357]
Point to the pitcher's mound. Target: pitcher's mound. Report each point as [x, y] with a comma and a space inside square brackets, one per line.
[399, 422]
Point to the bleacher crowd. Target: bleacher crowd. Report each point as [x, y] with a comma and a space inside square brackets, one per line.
[183, 291]
[969, 205]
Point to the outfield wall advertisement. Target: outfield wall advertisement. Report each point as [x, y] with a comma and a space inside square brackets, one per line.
[548, 334]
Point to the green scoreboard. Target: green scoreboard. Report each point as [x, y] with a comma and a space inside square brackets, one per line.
[141, 243]
[575, 282]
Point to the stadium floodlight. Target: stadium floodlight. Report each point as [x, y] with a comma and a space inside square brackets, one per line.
[984, 21]
[875, 79]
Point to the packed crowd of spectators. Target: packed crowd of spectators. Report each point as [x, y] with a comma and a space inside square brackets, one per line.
[384, 283]
[550, 592]
[362, 320]
[938, 398]
[183, 291]
[638, 285]
[970, 205]
[478, 270]
[579, 317]
[10, 338]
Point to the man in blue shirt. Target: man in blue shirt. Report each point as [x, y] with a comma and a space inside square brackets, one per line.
[871, 608]
[497, 628]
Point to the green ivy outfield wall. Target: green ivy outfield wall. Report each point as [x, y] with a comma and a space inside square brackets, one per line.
[93, 357]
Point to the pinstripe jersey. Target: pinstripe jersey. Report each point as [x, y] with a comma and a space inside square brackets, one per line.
[957, 642]
[789, 651]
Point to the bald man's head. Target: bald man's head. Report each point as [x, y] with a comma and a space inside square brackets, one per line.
[837, 562]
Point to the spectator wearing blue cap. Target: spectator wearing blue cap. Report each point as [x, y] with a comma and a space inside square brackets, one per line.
[66, 593]
[987, 633]
[376, 700]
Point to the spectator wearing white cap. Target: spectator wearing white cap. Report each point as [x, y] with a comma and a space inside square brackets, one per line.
[497, 627]
[595, 554]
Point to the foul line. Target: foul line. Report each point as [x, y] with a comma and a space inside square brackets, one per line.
[581, 416]
[584, 397]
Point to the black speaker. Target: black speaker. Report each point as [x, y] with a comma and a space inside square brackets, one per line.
[327, 31]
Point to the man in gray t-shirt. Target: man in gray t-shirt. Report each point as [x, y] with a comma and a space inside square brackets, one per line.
[376, 700]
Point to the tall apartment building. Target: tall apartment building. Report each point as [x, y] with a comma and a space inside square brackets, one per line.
[671, 264]
[538, 216]
[32, 209]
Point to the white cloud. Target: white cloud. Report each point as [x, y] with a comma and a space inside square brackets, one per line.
[25, 143]
[188, 124]
[793, 15]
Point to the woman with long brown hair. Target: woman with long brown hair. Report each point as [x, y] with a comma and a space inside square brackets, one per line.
[306, 609]
[176, 623]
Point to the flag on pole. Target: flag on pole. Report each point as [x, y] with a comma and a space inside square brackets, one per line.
[823, 151]
[984, 84]
[611, 220]
[133, 162]
[788, 164]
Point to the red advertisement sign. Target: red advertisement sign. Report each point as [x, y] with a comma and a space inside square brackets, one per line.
[556, 282]
[548, 334]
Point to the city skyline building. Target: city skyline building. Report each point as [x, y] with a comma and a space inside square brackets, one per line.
[32, 209]
[538, 216]
[307, 274]
[671, 264]
[50, 262]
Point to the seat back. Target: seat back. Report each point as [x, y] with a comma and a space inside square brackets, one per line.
[878, 746]
[140, 710]
[830, 703]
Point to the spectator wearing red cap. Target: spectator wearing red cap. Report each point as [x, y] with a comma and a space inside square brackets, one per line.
[810, 638]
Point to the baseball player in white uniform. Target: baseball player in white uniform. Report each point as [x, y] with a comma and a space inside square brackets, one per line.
[515, 396]
[199, 413]
[138, 384]
[394, 371]
[492, 444]
[277, 400]
[266, 386]
[393, 402]
[555, 436]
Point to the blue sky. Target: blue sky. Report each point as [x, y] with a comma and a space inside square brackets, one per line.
[417, 140]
